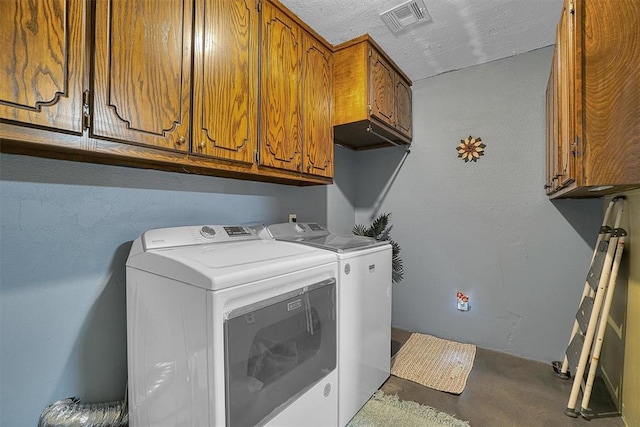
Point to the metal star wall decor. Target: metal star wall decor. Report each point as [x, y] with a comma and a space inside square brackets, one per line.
[470, 149]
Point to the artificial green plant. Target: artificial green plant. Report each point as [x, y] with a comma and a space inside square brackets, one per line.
[379, 230]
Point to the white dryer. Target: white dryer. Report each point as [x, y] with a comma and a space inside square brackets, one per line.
[227, 329]
[364, 309]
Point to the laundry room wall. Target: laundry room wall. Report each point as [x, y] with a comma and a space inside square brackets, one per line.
[66, 230]
[342, 194]
[485, 228]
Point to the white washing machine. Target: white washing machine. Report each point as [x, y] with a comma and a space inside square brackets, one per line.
[227, 329]
[364, 309]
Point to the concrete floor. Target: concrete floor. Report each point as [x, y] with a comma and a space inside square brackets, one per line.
[502, 391]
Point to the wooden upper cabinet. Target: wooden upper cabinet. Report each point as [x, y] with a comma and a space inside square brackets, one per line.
[225, 84]
[234, 88]
[317, 108]
[43, 62]
[594, 117]
[281, 70]
[372, 97]
[142, 72]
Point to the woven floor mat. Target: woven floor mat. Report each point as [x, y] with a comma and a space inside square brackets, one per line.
[434, 362]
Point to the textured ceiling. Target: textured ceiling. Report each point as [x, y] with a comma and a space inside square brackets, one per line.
[461, 33]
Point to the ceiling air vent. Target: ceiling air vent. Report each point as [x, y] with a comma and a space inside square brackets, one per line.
[407, 14]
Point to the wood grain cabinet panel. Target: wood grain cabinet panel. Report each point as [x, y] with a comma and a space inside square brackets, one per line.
[404, 102]
[552, 128]
[142, 80]
[296, 131]
[225, 86]
[317, 108]
[593, 104]
[567, 107]
[382, 91]
[43, 63]
[561, 162]
[281, 132]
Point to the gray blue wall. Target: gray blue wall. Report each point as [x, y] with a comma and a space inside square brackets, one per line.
[485, 228]
[66, 229]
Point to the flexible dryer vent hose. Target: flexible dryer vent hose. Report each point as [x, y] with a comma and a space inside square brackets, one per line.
[70, 412]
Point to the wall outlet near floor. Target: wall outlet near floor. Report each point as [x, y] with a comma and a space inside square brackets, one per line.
[293, 217]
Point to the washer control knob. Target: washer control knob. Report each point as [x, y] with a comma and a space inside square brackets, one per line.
[208, 232]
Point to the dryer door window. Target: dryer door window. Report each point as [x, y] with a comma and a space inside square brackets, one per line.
[277, 349]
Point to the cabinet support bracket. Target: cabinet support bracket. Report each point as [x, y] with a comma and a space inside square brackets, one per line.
[406, 147]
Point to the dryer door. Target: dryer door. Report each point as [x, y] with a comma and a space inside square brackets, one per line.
[277, 349]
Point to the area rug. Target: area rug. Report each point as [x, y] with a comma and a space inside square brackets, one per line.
[435, 362]
[384, 410]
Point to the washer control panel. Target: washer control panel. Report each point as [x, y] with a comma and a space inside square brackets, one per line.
[292, 230]
[161, 238]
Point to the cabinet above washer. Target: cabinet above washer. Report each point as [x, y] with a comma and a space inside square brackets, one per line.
[233, 88]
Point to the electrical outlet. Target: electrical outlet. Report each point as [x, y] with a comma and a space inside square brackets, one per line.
[462, 301]
[293, 217]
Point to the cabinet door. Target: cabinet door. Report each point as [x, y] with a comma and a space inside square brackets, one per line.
[567, 112]
[225, 83]
[317, 108]
[281, 135]
[551, 182]
[610, 77]
[142, 85]
[381, 89]
[403, 107]
[43, 62]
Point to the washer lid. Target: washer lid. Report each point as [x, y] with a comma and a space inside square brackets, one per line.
[313, 234]
[219, 265]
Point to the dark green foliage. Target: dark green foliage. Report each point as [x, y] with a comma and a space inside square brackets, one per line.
[379, 230]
